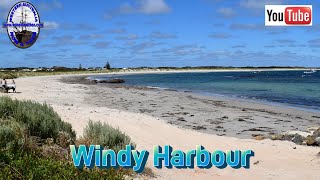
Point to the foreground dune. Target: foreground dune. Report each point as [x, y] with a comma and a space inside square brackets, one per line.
[272, 160]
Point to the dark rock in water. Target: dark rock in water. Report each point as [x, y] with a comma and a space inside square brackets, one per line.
[298, 139]
[110, 81]
[116, 81]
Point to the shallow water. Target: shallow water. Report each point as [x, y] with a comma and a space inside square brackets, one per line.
[287, 87]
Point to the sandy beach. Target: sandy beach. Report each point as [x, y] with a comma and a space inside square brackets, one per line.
[183, 120]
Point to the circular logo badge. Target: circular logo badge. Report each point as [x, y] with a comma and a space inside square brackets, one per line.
[23, 24]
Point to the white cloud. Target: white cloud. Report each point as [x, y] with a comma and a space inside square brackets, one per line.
[127, 8]
[246, 27]
[129, 37]
[220, 36]
[51, 25]
[226, 12]
[3, 30]
[8, 3]
[49, 5]
[160, 35]
[154, 7]
[101, 45]
[140, 7]
[116, 31]
[258, 4]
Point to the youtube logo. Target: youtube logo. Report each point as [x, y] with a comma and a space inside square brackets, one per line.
[288, 15]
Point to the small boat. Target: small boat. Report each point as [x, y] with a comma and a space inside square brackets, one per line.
[311, 71]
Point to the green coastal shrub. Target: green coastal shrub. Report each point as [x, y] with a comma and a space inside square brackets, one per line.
[7, 135]
[8, 75]
[31, 166]
[105, 135]
[27, 127]
[40, 119]
[12, 134]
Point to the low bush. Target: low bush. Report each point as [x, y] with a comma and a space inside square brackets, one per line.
[34, 143]
[40, 119]
[12, 135]
[105, 135]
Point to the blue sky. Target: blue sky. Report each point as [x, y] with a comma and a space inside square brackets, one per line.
[132, 33]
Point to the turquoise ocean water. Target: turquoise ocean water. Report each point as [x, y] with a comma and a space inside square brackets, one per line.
[294, 88]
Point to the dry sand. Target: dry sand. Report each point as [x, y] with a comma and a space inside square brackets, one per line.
[78, 103]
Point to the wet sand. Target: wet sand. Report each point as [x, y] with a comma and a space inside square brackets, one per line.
[214, 115]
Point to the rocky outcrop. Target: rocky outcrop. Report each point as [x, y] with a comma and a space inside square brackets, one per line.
[298, 139]
[310, 138]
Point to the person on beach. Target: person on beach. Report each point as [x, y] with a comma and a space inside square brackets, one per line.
[14, 88]
[3, 83]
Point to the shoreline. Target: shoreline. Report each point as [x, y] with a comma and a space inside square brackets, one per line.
[220, 115]
[231, 98]
[74, 103]
[306, 108]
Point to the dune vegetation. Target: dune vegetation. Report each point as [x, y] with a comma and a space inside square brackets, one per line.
[34, 143]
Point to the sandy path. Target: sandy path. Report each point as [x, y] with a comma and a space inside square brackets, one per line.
[277, 159]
